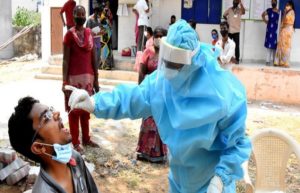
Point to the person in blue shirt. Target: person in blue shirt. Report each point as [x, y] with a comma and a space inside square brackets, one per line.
[199, 108]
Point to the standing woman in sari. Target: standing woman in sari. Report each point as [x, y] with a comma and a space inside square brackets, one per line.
[80, 71]
[94, 24]
[107, 59]
[150, 147]
[283, 51]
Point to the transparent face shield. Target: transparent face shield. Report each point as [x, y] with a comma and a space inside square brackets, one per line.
[172, 59]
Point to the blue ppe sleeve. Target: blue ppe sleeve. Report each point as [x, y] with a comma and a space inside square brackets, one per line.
[125, 101]
[237, 147]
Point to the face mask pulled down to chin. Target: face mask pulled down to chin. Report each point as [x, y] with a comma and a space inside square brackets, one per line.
[63, 153]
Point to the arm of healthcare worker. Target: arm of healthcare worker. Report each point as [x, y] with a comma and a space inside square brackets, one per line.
[236, 145]
[125, 101]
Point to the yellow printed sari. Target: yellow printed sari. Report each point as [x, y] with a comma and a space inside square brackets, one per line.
[283, 51]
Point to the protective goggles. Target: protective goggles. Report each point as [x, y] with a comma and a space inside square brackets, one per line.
[174, 57]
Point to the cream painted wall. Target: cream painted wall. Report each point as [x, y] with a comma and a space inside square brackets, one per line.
[46, 24]
[161, 13]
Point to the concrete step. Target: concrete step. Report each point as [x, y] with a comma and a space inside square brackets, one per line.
[110, 83]
[106, 74]
[118, 75]
[120, 62]
[123, 63]
[55, 59]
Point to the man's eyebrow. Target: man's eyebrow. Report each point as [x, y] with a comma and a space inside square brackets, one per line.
[42, 114]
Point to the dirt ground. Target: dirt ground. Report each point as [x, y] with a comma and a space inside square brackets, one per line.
[116, 169]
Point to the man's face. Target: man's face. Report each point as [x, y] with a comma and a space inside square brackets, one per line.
[235, 3]
[172, 20]
[223, 28]
[224, 31]
[48, 125]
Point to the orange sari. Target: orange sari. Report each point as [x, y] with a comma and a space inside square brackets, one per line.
[283, 51]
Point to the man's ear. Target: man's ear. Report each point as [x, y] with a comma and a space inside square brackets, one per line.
[38, 148]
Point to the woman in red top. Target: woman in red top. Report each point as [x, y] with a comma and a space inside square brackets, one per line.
[68, 10]
[79, 70]
[150, 146]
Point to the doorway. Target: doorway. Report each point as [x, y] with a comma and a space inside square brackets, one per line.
[56, 31]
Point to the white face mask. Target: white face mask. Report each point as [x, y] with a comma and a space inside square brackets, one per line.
[170, 73]
[145, 33]
[156, 42]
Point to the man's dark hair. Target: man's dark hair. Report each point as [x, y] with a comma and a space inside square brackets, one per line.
[161, 30]
[149, 30]
[192, 23]
[20, 128]
[173, 17]
[224, 23]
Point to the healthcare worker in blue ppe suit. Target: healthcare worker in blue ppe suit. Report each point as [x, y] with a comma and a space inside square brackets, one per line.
[199, 108]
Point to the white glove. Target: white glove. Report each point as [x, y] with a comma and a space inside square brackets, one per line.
[215, 185]
[80, 99]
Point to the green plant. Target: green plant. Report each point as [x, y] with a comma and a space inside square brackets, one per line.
[24, 17]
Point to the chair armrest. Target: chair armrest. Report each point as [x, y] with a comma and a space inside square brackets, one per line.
[247, 180]
[249, 188]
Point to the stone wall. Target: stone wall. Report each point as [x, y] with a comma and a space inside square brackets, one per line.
[29, 43]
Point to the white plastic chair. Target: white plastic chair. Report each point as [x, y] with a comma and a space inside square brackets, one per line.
[271, 149]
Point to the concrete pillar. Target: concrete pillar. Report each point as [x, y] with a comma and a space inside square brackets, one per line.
[6, 28]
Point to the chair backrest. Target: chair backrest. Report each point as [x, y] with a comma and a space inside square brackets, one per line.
[272, 149]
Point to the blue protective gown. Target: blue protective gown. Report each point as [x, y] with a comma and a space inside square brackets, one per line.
[200, 115]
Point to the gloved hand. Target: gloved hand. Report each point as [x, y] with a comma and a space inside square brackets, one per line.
[80, 99]
[215, 185]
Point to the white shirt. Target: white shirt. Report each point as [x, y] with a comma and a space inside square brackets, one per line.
[141, 7]
[228, 52]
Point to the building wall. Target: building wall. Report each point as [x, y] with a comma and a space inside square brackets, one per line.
[161, 13]
[6, 28]
[46, 24]
[252, 35]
